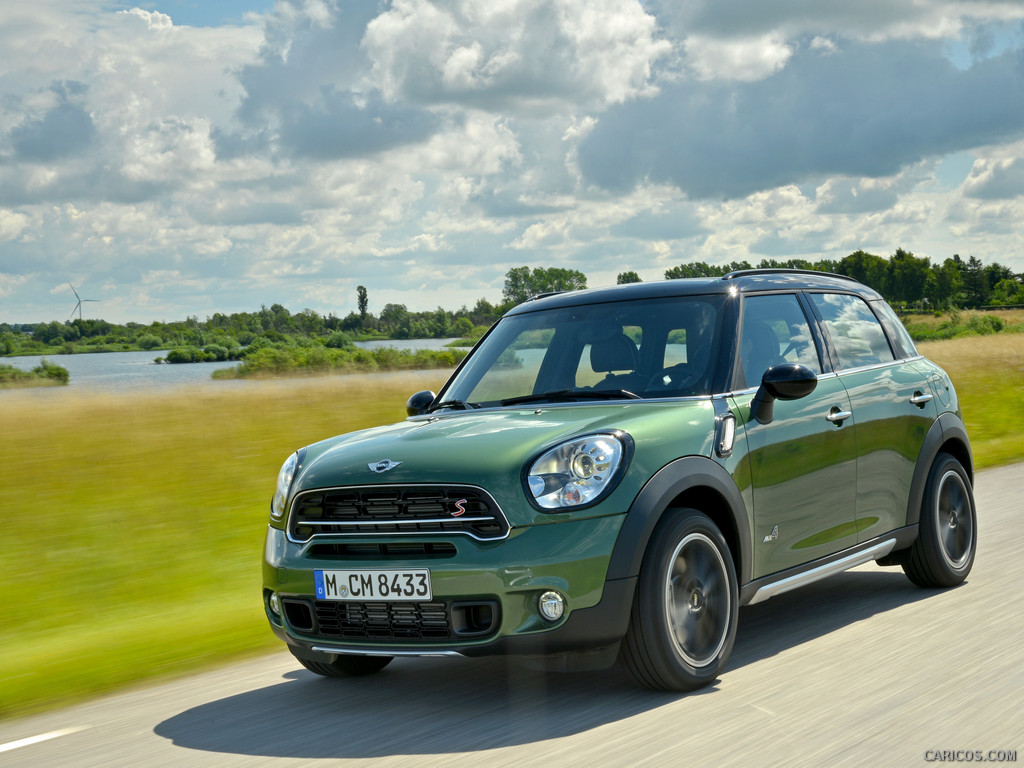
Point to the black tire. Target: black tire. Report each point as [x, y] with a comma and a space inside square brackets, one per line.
[947, 537]
[683, 622]
[344, 665]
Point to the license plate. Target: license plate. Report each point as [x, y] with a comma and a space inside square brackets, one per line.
[411, 584]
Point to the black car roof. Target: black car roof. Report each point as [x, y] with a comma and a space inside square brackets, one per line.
[743, 282]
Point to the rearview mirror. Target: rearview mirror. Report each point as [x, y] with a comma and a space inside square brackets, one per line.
[789, 381]
[417, 404]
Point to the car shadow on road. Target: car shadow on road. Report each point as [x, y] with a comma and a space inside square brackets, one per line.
[428, 706]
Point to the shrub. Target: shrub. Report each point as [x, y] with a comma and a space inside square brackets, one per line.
[214, 353]
[338, 340]
[149, 341]
[184, 355]
[47, 370]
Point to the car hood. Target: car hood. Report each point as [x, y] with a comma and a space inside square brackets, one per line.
[491, 448]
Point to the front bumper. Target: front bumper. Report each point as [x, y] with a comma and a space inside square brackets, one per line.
[497, 583]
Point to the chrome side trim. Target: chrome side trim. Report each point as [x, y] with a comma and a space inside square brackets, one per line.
[377, 652]
[828, 569]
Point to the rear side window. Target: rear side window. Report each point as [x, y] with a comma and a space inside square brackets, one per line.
[856, 334]
[895, 328]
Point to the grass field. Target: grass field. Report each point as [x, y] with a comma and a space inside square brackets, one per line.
[133, 526]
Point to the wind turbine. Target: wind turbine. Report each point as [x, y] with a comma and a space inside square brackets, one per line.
[78, 306]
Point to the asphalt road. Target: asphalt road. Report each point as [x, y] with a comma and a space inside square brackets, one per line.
[863, 669]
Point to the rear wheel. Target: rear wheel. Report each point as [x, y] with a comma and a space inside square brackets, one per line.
[943, 553]
[683, 623]
[343, 665]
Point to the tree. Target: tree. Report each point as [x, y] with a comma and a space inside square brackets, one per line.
[946, 283]
[394, 316]
[908, 276]
[362, 301]
[694, 269]
[1008, 291]
[521, 283]
[703, 269]
[996, 273]
[976, 288]
[866, 268]
[628, 277]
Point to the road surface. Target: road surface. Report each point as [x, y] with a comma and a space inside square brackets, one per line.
[862, 669]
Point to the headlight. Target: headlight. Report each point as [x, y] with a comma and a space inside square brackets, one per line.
[578, 472]
[284, 484]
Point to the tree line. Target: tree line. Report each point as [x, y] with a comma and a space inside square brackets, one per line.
[905, 280]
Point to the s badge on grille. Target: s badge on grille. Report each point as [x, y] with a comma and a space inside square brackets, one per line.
[460, 508]
[383, 465]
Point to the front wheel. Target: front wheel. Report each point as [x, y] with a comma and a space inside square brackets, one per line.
[343, 665]
[943, 553]
[683, 623]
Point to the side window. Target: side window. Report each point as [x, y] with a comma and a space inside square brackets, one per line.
[895, 328]
[855, 332]
[774, 331]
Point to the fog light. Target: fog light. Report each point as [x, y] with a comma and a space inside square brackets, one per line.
[275, 604]
[552, 606]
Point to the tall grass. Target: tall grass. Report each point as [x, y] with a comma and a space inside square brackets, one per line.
[133, 526]
[988, 373]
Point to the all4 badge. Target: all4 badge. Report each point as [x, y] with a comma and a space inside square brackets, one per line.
[383, 465]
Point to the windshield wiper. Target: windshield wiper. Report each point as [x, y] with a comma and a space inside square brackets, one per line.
[563, 395]
[461, 405]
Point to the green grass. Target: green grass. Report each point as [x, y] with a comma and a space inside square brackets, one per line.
[133, 526]
[988, 373]
[46, 374]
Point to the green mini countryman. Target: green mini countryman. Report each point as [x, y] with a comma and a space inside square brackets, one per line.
[612, 473]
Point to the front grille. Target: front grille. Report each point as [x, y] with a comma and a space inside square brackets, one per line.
[404, 510]
[378, 622]
[367, 550]
[382, 621]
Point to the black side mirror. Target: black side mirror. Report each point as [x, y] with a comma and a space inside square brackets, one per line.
[789, 381]
[417, 404]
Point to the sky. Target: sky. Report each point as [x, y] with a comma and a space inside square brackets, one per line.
[177, 158]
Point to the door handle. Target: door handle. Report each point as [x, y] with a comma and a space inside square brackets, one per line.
[837, 416]
[919, 399]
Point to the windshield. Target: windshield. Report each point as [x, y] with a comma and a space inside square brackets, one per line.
[646, 348]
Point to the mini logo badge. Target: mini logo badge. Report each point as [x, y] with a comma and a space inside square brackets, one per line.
[460, 508]
[383, 465]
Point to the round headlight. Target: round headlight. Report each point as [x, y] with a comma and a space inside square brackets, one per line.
[284, 484]
[578, 472]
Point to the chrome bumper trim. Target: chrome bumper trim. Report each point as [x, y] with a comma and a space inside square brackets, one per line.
[380, 652]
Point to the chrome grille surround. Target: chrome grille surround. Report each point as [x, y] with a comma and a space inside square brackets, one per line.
[396, 510]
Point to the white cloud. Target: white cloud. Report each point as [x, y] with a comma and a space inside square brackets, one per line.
[328, 144]
[746, 59]
[513, 55]
[11, 224]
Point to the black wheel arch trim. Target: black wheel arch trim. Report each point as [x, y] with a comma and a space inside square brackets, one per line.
[948, 428]
[688, 473]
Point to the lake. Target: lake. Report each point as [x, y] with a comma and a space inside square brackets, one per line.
[134, 371]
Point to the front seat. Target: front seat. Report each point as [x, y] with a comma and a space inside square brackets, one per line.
[616, 353]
